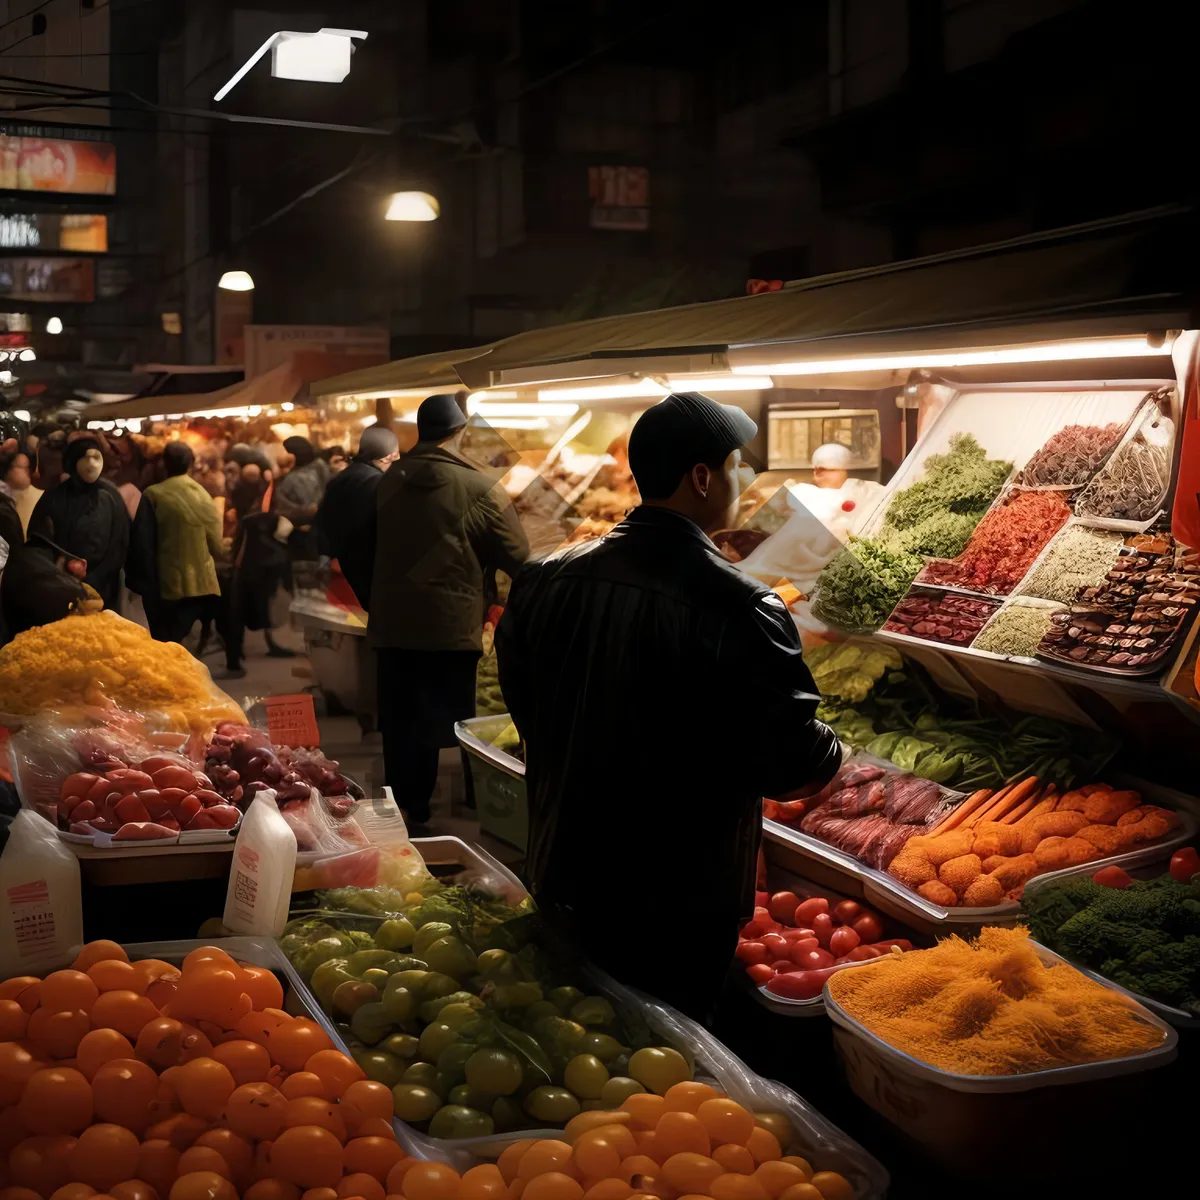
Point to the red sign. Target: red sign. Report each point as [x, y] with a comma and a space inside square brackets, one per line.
[292, 721]
[620, 197]
[52, 165]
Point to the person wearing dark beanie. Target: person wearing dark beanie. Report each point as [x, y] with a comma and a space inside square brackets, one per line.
[298, 497]
[650, 635]
[87, 516]
[443, 525]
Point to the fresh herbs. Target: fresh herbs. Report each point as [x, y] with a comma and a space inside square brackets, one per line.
[861, 584]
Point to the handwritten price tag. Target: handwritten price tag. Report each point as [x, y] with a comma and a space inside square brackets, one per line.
[292, 721]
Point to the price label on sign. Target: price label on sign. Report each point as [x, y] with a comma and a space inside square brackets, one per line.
[292, 721]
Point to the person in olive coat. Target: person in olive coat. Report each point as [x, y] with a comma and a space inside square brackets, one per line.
[442, 524]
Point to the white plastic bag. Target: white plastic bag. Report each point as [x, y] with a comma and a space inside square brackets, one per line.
[260, 878]
[41, 912]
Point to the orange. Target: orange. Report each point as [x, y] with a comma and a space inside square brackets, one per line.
[320, 1194]
[483, 1182]
[203, 1086]
[210, 955]
[690, 1172]
[301, 1083]
[66, 991]
[104, 1155]
[395, 1179]
[40, 1163]
[24, 989]
[202, 1185]
[374, 1156]
[180, 1129]
[358, 1184]
[777, 1176]
[74, 1191]
[133, 1189]
[335, 1070]
[256, 1025]
[634, 1166]
[164, 1042]
[294, 1043]
[616, 1135]
[307, 1155]
[153, 969]
[372, 1127]
[56, 1100]
[596, 1156]
[271, 1189]
[646, 1142]
[763, 1145]
[248, 1062]
[645, 1109]
[609, 1189]
[554, 1185]
[724, 1120]
[797, 1161]
[95, 952]
[313, 1110]
[736, 1187]
[431, 1181]
[101, 1046]
[680, 1131]
[124, 1011]
[263, 988]
[366, 1098]
[736, 1160]
[18, 1193]
[14, 1020]
[801, 1191]
[544, 1156]
[832, 1186]
[255, 1110]
[57, 1033]
[17, 1066]
[234, 1149]
[204, 1158]
[158, 1164]
[507, 1163]
[124, 1091]
[161, 992]
[112, 975]
[687, 1096]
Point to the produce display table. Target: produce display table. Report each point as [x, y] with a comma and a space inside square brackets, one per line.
[335, 641]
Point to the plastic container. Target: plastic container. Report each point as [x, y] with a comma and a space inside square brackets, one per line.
[966, 1120]
[1154, 864]
[41, 911]
[260, 876]
[497, 779]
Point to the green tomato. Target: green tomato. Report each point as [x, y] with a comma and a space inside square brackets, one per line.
[537, 1010]
[380, 1066]
[431, 1009]
[402, 1045]
[593, 1010]
[376, 976]
[352, 995]
[396, 934]
[607, 1049]
[554, 1105]
[452, 1062]
[659, 1068]
[435, 985]
[428, 934]
[320, 951]
[327, 978]
[292, 944]
[495, 963]
[586, 1076]
[411, 1102]
[370, 1023]
[362, 960]
[517, 995]
[493, 1070]
[399, 1003]
[462, 1017]
[557, 1033]
[618, 1089]
[454, 1121]
[435, 1038]
[507, 1114]
[412, 979]
[565, 998]
[421, 1073]
[467, 1097]
[451, 956]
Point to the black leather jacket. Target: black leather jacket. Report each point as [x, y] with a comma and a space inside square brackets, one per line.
[661, 693]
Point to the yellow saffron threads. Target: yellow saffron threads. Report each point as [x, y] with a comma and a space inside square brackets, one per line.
[91, 661]
[991, 1007]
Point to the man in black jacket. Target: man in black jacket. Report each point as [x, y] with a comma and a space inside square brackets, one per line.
[347, 518]
[660, 693]
[442, 524]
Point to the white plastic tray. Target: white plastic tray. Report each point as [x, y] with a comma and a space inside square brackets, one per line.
[1055, 1077]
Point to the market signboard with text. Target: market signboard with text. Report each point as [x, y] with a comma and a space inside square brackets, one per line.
[35, 164]
[57, 280]
[74, 233]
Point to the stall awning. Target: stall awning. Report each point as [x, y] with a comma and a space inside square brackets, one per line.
[425, 372]
[1131, 274]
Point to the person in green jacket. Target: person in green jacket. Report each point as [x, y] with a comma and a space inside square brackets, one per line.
[188, 538]
[442, 525]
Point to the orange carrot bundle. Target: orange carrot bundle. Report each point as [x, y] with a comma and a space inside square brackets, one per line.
[955, 816]
[1027, 806]
[1010, 798]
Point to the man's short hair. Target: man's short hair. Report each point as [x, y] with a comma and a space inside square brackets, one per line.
[177, 458]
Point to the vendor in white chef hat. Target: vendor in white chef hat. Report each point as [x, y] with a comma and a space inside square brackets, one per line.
[840, 502]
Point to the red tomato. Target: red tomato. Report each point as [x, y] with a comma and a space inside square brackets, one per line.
[1112, 877]
[760, 973]
[803, 947]
[887, 943]
[844, 940]
[782, 964]
[847, 912]
[810, 908]
[782, 906]
[761, 898]
[1184, 864]
[776, 945]
[861, 954]
[814, 960]
[751, 952]
[868, 927]
[822, 926]
[795, 935]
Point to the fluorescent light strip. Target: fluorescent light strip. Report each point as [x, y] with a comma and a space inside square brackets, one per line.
[530, 408]
[644, 388]
[721, 383]
[1124, 347]
[498, 394]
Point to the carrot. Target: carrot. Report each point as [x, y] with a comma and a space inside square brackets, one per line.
[1044, 805]
[955, 816]
[1013, 796]
[983, 814]
[1027, 806]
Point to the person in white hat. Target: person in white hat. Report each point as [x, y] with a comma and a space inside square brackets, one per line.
[839, 501]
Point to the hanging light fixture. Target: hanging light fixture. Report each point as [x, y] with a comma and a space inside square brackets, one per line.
[236, 281]
[412, 206]
[54, 325]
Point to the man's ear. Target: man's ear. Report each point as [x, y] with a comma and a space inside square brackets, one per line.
[702, 478]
